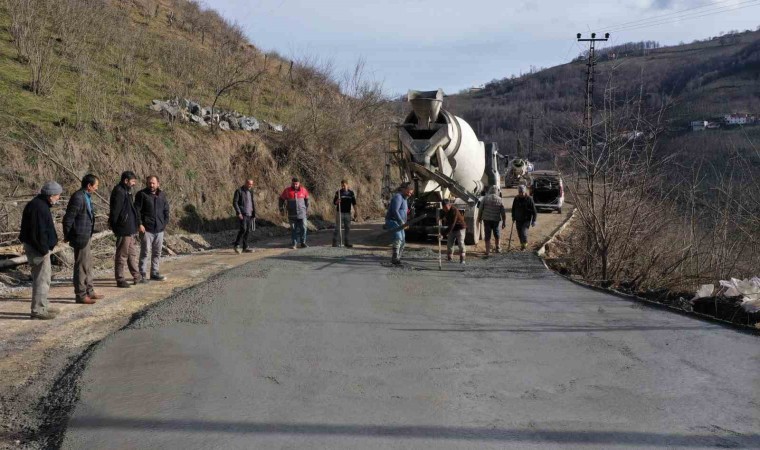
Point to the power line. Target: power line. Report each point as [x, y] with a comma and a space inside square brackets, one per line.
[711, 5]
[687, 17]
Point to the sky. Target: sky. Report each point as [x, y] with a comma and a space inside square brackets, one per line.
[455, 45]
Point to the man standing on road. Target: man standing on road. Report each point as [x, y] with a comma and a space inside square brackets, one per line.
[457, 229]
[344, 201]
[396, 217]
[153, 215]
[78, 226]
[523, 214]
[39, 238]
[294, 201]
[123, 220]
[493, 214]
[245, 207]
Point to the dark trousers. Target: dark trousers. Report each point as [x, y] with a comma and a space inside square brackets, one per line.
[246, 226]
[83, 272]
[522, 230]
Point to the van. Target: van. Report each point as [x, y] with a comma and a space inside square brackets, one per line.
[547, 189]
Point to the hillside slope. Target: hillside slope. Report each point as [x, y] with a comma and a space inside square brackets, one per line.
[77, 78]
[697, 81]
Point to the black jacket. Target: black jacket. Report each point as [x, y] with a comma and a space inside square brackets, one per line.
[37, 227]
[237, 201]
[122, 218]
[523, 209]
[152, 210]
[78, 222]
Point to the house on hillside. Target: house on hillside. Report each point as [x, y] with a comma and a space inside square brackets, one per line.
[736, 119]
[698, 125]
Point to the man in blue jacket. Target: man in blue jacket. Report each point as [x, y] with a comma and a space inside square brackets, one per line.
[39, 238]
[396, 218]
[78, 226]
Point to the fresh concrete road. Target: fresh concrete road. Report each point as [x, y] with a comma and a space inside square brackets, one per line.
[327, 348]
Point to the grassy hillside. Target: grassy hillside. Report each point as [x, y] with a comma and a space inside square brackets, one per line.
[77, 77]
[695, 81]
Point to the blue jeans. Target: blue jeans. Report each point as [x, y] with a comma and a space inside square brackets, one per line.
[399, 237]
[298, 231]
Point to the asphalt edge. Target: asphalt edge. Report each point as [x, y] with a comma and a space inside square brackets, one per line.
[541, 253]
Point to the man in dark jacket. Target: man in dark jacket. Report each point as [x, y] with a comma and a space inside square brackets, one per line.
[523, 214]
[123, 220]
[78, 226]
[153, 215]
[39, 238]
[344, 201]
[244, 203]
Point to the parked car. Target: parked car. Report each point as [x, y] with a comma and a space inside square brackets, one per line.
[547, 190]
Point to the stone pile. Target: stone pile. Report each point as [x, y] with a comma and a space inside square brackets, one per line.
[189, 111]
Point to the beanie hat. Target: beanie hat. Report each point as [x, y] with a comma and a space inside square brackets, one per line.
[51, 188]
[522, 189]
[446, 201]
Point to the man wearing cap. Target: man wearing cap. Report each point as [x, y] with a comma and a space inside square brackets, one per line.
[395, 219]
[345, 202]
[493, 214]
[39, 238]
[456, 231]
[123, 220]
[523, 214]
[78, 226]
[294, 201]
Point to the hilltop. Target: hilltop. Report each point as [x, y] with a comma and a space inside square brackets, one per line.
[703, 80]
[78, 78]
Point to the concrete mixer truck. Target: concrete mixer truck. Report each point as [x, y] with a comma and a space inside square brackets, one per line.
[440, 154]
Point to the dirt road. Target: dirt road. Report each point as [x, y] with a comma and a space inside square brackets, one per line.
[331, 348]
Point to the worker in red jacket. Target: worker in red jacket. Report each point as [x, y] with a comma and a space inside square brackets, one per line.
[294, 201]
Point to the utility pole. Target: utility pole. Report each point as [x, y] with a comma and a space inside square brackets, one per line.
[531, 134]
[589, 107]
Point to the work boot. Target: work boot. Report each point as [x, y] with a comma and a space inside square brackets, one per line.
[523, 246]
[87, 300]
[488, 248]
[335, 244]
[248, 250]
[294, 246]
[461, 261]
[349, 245]
[142, 280]
[498, 246]
[394, 258]
[43, 316]
[303, 245]
[158, 277]
[448, 257]
[95, 296]
[123, 284]
[237, 249]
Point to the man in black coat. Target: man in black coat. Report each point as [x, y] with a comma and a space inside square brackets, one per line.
[78, 226]
[523, 214]
[153, 214]
[123, 220]
[245, 207]
[39, 238]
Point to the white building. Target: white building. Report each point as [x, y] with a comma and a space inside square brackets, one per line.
[736, 119]
[698, 125]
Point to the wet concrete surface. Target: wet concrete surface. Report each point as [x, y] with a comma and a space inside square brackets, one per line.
[329, 348]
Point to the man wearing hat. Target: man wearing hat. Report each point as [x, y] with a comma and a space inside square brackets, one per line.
[39, 238]
[294, 201]
[523, 214]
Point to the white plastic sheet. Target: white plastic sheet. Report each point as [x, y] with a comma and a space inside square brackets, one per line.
[706, 290]
[748, 289]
